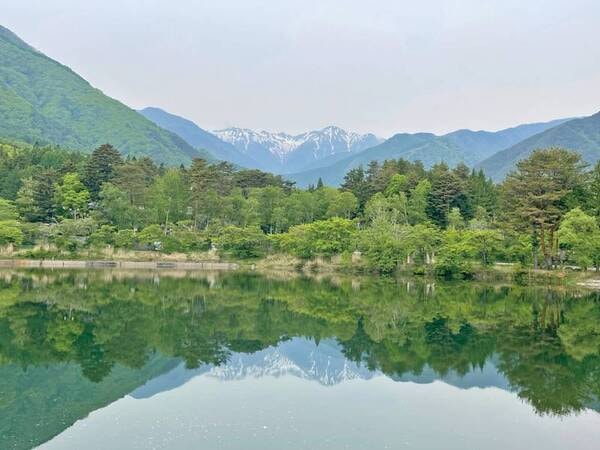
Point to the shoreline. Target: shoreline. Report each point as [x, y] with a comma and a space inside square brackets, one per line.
[117, 264]
[290, 267]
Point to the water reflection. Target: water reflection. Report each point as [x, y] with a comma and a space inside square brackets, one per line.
[71, 342]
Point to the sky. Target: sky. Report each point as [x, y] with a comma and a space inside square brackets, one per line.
[382, 66]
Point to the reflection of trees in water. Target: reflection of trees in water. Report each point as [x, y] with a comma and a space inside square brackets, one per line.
[547, 343]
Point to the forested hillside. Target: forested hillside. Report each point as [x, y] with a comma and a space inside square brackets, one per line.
[42, 101]
[580, 135]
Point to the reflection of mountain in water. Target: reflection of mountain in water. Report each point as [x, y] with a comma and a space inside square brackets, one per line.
[323, 362]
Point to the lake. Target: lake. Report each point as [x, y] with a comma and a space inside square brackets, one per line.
[175, 360]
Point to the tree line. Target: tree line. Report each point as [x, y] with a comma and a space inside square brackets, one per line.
[390, 215]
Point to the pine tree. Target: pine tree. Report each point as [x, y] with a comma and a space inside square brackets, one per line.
[534, 194]
[100, 168]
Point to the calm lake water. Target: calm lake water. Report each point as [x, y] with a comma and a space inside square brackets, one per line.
[117, 360]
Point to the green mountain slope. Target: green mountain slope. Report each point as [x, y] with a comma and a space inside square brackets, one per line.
[197, 137]
[479, 145]
[55, 396]
[581, 135]
[43, 101]
[469, 147]
[425, 147]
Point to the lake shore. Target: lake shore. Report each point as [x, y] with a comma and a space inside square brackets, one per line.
[116, 264]
[290, 267]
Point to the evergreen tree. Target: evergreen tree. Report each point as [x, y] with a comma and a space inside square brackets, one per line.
[446, 191]
[43, 195]
[534, 194]
[355, 182]
[100, 168]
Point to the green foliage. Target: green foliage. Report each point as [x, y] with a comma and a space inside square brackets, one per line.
[384, 246]
[101, 167]
[103, 236]
[579, 235]
[534, 194]
[10, 232]
[8, 210]
[485, 244]
[44, 101]
[320, 238]
[248, 242]
[125, 239]
[71, 196]
[454, 256]
[151, 237]
[72, 234]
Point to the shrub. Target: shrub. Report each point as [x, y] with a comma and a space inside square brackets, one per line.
[248, 242]
[323, 237]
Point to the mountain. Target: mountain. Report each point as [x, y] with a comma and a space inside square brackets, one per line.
[581, 135]
[466, 146]
[323, 363]
[44, 101]
[479, 145]
[197, 137]
[285, 153]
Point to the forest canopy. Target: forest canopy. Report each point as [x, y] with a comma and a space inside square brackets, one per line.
[385, 216]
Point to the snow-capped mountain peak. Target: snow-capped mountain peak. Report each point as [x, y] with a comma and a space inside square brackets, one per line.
[295, 151]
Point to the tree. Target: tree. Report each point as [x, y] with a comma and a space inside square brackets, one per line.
[355, 182]
[422, 240]
[101, 167]
[534, 193]
[417, 202]
[169, 198]
[10, 232]
[25, 201]
[392, 209]
[455, 219]
[72, 196]
[454, 255]
[71, 234]
[446, 190]
[484, 243]
[8, 210]
[115, 207]
[594, 191]
[385, 245]
[323, 237]
[134, 177]
[41, 196]
[579, 235]
[341, 204]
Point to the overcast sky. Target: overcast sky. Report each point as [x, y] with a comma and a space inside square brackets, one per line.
[292, 65]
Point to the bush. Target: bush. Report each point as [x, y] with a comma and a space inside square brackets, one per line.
[124, 239]
[151, 237]
[10, 232]
[246, 242]
[103, 236]
[453, 260]
[383, 247]
[323, 238]
[72, 234]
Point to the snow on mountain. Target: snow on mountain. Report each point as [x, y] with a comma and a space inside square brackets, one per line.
[323, 363]
[287, 153]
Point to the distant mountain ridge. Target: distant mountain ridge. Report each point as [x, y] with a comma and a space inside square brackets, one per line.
[284, 153]
[196, 136]
[462, 146]
[581, 135]
[44, 101]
